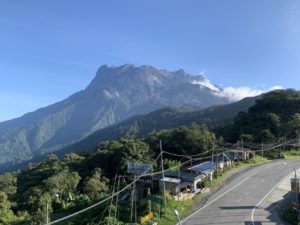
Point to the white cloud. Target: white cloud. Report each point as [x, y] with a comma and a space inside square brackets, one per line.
[276, 87]
[202, 73]
[233, 93]
[206, 83]
[239, 93]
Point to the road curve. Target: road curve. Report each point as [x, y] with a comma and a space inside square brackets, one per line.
[242, 201]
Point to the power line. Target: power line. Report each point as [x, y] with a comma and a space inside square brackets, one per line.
[147, 174]
[102, 201]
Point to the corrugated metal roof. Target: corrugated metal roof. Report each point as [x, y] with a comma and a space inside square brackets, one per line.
[171, 180]
[191, 177]
[208, 165]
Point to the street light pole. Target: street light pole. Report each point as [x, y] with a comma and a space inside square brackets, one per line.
[177, 215]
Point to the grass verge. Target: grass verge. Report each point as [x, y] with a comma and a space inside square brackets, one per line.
[291, 154]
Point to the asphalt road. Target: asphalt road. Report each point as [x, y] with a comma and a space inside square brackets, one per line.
[243, 200]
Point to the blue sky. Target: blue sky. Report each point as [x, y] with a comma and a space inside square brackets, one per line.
[51, 49]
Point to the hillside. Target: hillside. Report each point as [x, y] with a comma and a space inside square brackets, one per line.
[276, 115]
[63, 186]
[167, 118]
[115, 94]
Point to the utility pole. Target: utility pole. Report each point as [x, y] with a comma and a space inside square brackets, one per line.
[262, 148]
[212, 154]
[238, 147]
[132, 196]
[279, 149]
[111, 202]
[212, 158]
[243, 153]
[217, 165]
[213, 149]
[179, 179]
[135, 196]
[117, 199]
[296, 194]
[223, 159]
[163, 174]
[296, 184]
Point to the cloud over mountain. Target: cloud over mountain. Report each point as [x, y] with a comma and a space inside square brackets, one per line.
[238, 93]
[233, 93]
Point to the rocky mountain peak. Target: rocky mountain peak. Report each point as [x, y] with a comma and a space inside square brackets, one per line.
[115, 94]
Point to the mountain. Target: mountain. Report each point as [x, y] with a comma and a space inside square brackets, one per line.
[115, 94]
[167, 118]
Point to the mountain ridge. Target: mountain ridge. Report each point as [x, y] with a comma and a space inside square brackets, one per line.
[115, 94]
[166, 118]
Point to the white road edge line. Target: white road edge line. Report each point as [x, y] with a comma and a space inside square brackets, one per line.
[223, 212]
[238, 200]
[253, 210]
[217, 198]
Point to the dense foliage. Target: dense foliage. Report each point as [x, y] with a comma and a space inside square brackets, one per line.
[62, 186]
[275, 115]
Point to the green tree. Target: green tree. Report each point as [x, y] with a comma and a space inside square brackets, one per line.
[8, 183]
[294, 125]
[63, 183]
[73, 158]
[246, 137]
[183, 140]
[39, 218]
[113, 156]
[6, 214]
[31, 198]
[4, 202]
[265, 135]
[96, 184]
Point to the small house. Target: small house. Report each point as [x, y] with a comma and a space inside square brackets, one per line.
[172, 185]
[190, 182]
[239, 155]
[206, 168]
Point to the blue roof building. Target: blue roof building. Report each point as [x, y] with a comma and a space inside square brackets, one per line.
[204, 167]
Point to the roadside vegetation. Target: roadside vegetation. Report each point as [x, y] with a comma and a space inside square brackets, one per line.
[291, 154]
